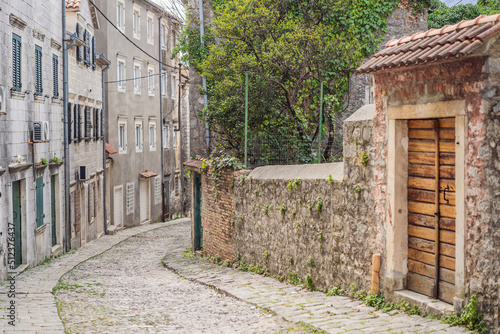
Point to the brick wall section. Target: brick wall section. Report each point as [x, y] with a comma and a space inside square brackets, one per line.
[217, 215]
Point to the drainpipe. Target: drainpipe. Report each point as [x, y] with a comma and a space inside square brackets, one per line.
[103, 127]
[161, 124]
[66, 131]
[204, 79]
[181, 178]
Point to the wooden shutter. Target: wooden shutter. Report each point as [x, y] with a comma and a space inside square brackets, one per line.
[79, 125]
[94, 52]
[102, 125]
[88, 124]
[96, 124]
[75, 121]
[69, 122]
[86, 54]
[38, 70]
[55, 75]
[78, 50]
[39, 202]
[16, 62]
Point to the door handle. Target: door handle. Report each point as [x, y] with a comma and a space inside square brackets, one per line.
[444, 194]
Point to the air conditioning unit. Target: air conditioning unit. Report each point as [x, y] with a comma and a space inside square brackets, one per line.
[3, 102]
[84, 173]
[37, 132]
[45, 131]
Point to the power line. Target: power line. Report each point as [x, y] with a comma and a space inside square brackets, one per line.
[146, 76]
[128, 39]
[457, 3]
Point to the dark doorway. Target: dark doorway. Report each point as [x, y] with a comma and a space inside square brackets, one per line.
[198, 228]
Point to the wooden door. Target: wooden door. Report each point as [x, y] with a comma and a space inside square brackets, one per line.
[53, 208]
[16, 215]
[198, 228]
[166, 199]
[118, 206]
[431, 208]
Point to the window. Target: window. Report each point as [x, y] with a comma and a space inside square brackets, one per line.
[39, 202]
[130, 198]
[76, 122]
[121, 74]
[165, 136]
[164, 84]
[94, 52]
[173, 86]
[152, 136]
[38, 71]
[151, 82]
[137, 78]
[157, 183]
[136, 21]
[163, 36]
[120, 14]
[150, 27]
[55, 76]
[16, 63]
[122, 136]
[175, 138]
[138, 136]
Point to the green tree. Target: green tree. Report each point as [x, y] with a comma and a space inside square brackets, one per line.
[441, 15]
[288, 47]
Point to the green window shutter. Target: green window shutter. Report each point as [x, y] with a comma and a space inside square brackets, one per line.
[16, 63]
[75, 121]
[96, 124]
[94, 52]
[69, 122]
[86, 48]
[102, 125]
[88, 124]
[79, 113]
[55, 75]
[38, 70]
[78, 48]
[39, 202]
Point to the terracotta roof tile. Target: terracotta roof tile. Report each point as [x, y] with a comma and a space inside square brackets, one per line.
[450, 41]
[73, 4]
[147, 174]
[110, 149]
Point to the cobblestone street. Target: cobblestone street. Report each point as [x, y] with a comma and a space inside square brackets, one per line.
[118, 284]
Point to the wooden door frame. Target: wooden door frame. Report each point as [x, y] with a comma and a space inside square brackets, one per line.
[396, 267]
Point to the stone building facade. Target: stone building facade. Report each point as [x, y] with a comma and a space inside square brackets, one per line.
[85, 123]
[133, 121]
[31, 133]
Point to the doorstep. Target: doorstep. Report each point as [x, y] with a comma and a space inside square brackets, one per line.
[426, 304]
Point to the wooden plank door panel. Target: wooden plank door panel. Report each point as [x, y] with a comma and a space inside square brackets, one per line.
[16, 215]
[430, 206]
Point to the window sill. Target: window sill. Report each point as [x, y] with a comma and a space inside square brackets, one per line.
[56, 100]
[41, 229]
[122, 152]
[137, 92]
[39, 98]
[121, 90]
[17, 95]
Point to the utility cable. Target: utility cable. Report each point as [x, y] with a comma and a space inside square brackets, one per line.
[146, 76]
[128, 39]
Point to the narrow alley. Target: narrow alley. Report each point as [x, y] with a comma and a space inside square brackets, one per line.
[119, 284]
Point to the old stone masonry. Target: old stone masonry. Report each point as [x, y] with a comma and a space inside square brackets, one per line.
[138, 281]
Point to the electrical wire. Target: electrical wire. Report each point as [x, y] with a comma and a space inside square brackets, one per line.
[128, 39]
[457, 3]
[146, 76]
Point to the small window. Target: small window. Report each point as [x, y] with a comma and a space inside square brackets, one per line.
[122, 136]
[137, 78]
[152, 136]
[164, 84]
[163, 36]
[120, 14]
[87, 124]
[150, 28]
[151, 82]
[55, 76]
[176, 138]
[38, 71]
[165, 136]
[174, 86]
[86, 48]
[16, 63]
[136, 22]
[138, 136]
[121, 75]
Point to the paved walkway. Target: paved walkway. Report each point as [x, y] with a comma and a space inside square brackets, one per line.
[331, 314]
[36, 309]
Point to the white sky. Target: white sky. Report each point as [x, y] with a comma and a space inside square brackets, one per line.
[463, 2]
[175, 7]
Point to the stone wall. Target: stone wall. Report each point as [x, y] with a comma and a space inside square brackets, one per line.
[293, 220]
